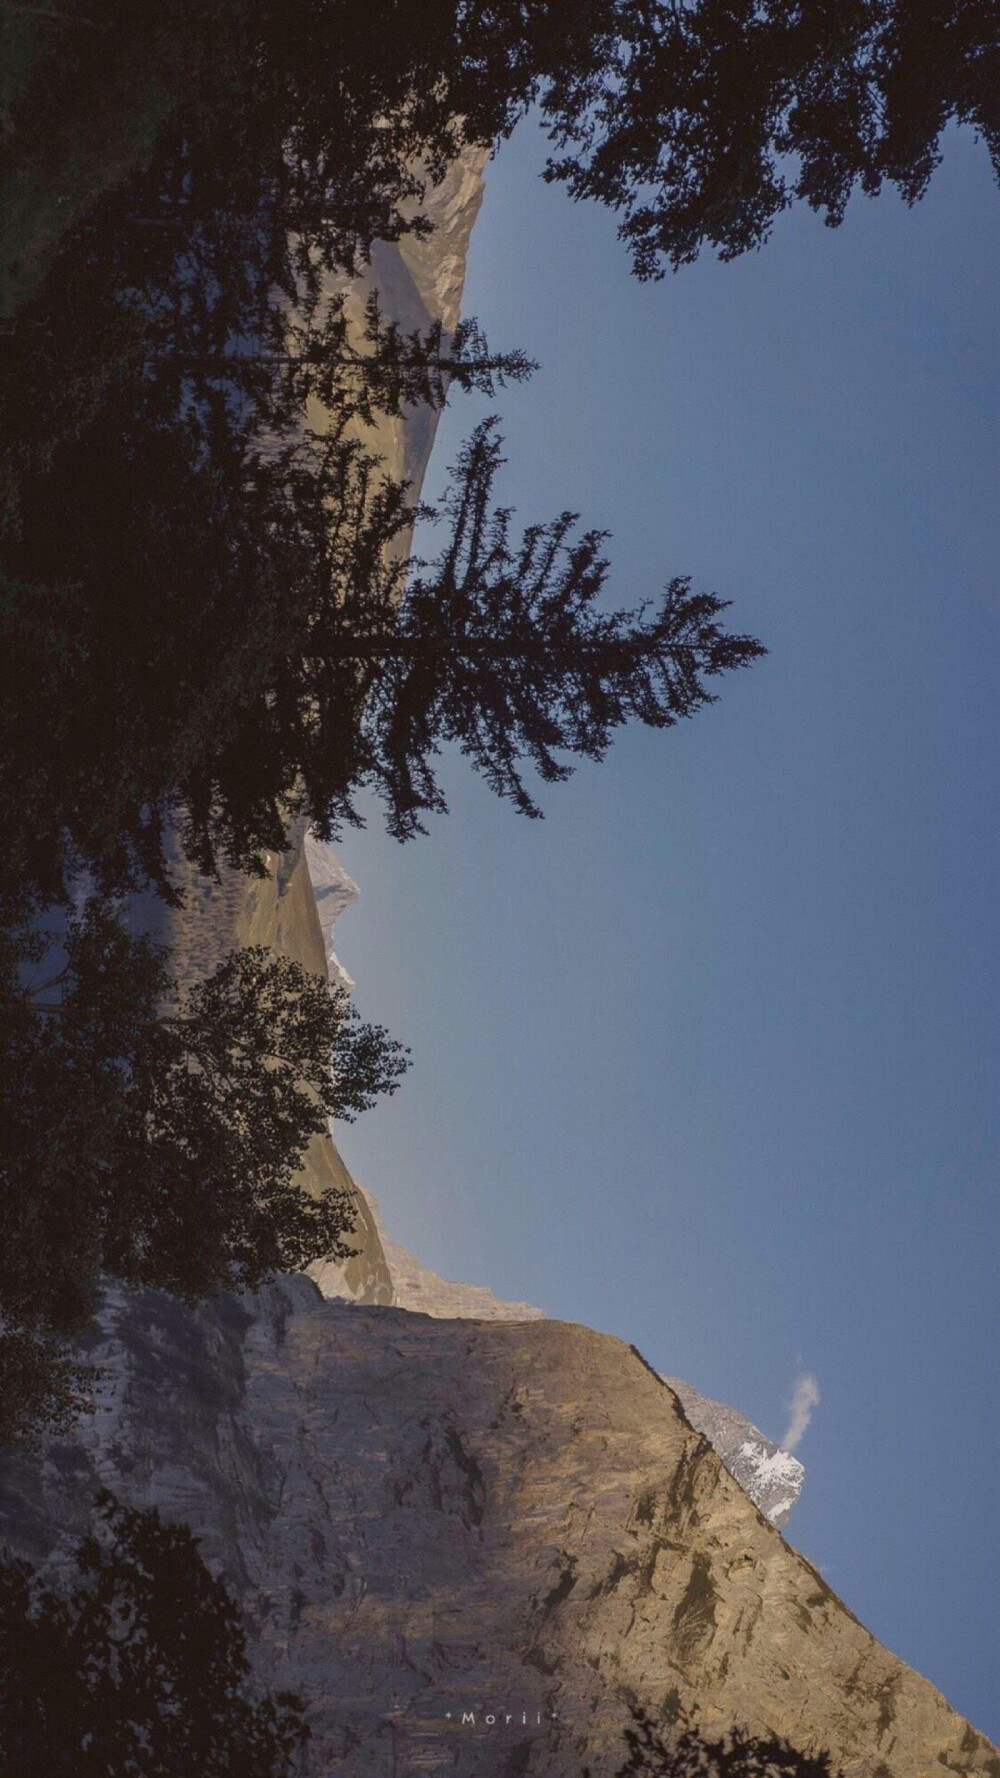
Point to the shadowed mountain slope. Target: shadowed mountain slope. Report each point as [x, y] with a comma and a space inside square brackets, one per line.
[427, 1517]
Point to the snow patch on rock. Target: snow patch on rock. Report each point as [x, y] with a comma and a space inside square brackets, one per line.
[334, 890]
[770, 1476]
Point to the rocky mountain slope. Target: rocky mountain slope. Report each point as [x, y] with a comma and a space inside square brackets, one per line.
[471, 1543]
[770, 1476]
[334, 890]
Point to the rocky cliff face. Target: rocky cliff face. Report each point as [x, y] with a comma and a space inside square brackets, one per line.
[770, 1476]
[470, 1543]
[334, 890]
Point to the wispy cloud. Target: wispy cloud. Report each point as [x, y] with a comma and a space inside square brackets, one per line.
[805, 1396]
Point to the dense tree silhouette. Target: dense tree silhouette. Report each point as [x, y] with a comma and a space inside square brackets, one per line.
[137, 1668]
[252, 644]
[702, 119]
[151, 652]
[313, 126]
[499, 646]
[697, 121]
[680, 1750]
[148, 651]
[154, 1135]
[191, 320]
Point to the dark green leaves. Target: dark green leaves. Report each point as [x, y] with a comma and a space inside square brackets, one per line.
[156, 1136]
[137, 1668]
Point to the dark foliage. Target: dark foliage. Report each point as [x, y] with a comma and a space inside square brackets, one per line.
[155, 1136]
[44, 1387]
[156, 656]
[681, 1751]
[191, 319]
[85, 89]
[499, 645]
[138, 1669]
[251, 645]
[698, 120]
[703, 119]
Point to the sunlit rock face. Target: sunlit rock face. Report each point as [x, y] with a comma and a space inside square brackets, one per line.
[434, 1519]
[770, 1476]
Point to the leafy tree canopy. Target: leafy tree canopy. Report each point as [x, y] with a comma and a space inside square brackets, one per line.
[155, 1136]
[138, 1668]
[252, 644]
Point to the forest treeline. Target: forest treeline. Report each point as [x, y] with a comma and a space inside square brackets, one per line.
[210, 618]
[697, 120]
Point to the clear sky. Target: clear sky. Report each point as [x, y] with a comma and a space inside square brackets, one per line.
[709, 1057]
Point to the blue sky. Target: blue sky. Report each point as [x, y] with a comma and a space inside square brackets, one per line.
[709, 1057]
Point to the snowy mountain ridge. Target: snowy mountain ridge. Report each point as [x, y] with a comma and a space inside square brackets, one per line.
[772, 1477]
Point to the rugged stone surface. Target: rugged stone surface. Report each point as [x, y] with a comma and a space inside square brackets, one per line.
[500, 1518]
[770, 1476]
[417, 1288]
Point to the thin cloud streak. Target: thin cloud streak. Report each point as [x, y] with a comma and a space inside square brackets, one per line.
[805, 1396]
